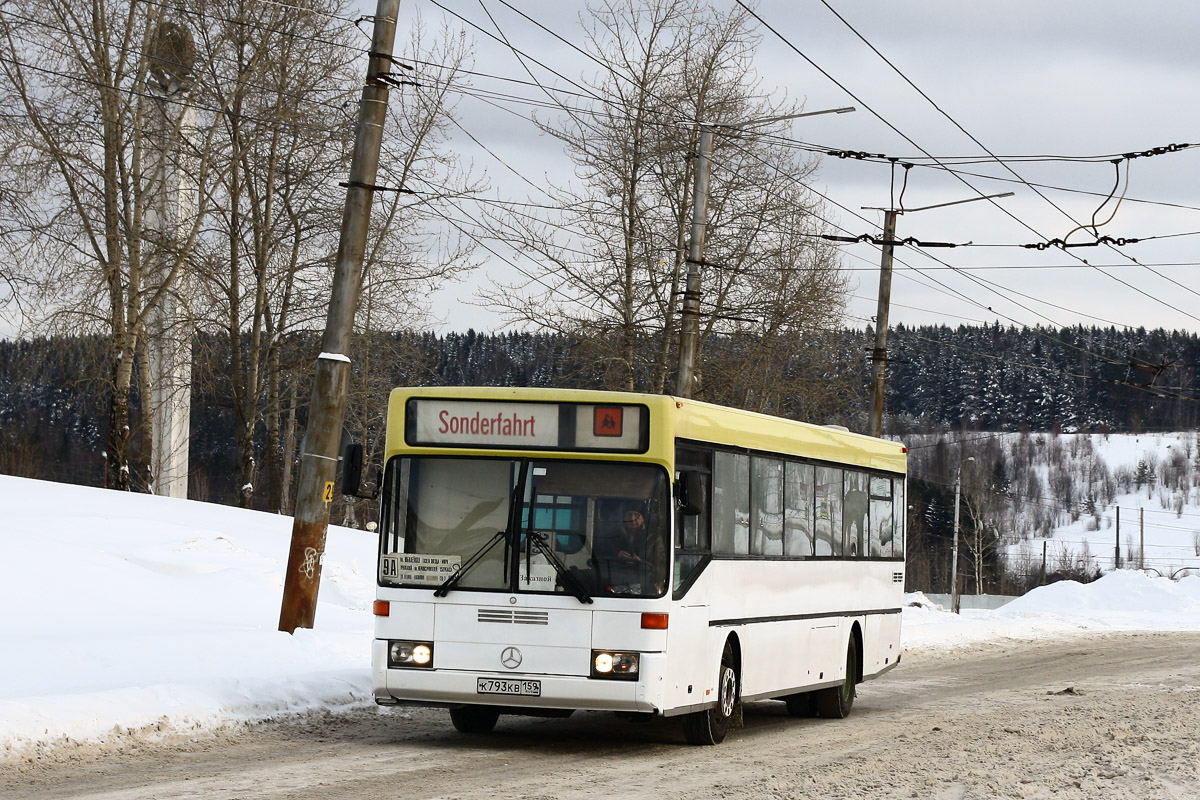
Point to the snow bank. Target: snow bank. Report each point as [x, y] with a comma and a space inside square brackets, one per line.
[131, 610]
[1119, 601]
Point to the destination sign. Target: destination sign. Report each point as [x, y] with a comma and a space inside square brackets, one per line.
[496, 424]
[486, 424]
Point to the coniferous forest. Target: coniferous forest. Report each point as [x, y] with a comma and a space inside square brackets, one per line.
[948, 389]
[988, 378]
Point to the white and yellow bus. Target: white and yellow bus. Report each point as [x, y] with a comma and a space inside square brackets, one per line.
[770, 563]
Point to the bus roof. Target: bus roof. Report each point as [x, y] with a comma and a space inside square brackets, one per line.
[694, 420]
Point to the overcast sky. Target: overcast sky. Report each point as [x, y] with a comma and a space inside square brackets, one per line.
[1067, 78]
[1023, 77]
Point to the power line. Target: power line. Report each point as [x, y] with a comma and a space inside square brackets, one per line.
[795, 49]
[490, 35]
[1051, 187]
[990, 286]
[1127, 156]
[508, 44]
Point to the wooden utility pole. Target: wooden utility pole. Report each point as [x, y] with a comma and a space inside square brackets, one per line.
[954, 600]
[327, 407]
[954, 548]
[879, 352]
[888, 244]
[1117, 546]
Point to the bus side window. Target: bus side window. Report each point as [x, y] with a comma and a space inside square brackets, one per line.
[731, 504]
[854, 515]
[694, 532]
[829, 511]
[882, 523]
[798, 513]
[899, 518]
[766, 512]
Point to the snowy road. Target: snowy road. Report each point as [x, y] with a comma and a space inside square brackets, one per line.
[1111, 717]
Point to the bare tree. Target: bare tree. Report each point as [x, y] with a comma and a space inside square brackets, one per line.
[613, 259]
[986, 504]
[286, 85]
[83, 79]
[282, 78]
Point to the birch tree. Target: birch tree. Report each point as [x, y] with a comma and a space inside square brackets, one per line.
[287, 86]
[284, 83]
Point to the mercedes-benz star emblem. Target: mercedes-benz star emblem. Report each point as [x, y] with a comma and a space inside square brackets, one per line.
[510, 657]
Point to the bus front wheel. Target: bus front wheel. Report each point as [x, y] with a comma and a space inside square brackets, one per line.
[709, 727]
[474, 719]
[836, 701]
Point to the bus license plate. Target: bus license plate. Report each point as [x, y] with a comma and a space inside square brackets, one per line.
[508, 686]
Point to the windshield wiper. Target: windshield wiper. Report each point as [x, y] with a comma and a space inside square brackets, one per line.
[452, 581]
[568, 578]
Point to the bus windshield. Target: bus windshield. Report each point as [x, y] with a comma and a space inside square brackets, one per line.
[588, 528]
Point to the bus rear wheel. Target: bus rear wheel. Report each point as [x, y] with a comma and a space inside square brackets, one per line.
[837, 701]
[709, 727]
[802, 704]
[474, 719]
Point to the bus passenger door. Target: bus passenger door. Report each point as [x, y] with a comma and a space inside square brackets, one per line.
[691, 670]
[690, 675]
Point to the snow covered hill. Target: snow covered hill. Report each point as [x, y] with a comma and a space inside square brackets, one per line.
[1050, 504]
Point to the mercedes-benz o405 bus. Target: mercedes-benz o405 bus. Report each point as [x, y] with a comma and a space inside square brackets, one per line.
[546, 551]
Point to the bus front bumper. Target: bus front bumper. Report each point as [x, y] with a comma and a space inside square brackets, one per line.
[446, 687]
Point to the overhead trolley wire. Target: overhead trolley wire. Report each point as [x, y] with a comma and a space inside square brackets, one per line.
[1127, 156]
[947, 266]
[944, 287]
[795, 49]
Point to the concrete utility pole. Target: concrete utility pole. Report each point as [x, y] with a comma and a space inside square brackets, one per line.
[690, 323]
[171, 213]
[327, 407]
[879, 352]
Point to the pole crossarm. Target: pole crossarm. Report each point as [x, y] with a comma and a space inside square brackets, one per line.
[886, 242]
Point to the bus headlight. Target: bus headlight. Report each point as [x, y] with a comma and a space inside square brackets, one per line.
[402, 654]
[614, 665]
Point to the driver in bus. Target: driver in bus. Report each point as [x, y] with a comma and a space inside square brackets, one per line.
[626, 558]
[632, 541]
[628, 541]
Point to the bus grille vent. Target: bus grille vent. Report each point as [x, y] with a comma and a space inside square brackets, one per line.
[512, 616]
[897, 577]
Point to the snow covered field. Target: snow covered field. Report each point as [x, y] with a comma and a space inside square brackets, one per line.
[130, 611]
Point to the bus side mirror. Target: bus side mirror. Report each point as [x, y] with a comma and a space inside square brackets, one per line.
[352, 464]
[689, 493]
